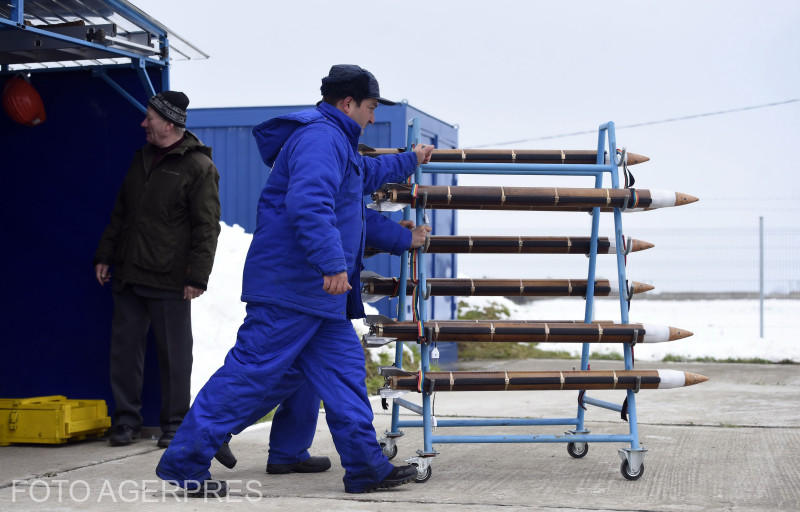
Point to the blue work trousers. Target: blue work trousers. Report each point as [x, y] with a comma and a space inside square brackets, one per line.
[294, 423]
[294, 426]
[272, 342]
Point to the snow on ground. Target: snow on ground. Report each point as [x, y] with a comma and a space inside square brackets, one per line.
[722, 328]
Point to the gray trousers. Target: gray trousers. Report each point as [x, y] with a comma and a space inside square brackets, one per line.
[136, 309]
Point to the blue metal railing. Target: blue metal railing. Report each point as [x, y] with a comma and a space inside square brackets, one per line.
[16, 20]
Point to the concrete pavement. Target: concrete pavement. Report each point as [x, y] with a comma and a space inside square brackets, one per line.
[728, 444]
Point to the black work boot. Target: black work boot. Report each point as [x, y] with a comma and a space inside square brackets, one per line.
[225, 456]
[122, 435]
[400, 475]
[165, 439]
[310, 465]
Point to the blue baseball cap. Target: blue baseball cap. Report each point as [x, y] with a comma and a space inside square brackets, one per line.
[352, 80]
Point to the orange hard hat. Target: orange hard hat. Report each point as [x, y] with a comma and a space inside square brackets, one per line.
[22, 103]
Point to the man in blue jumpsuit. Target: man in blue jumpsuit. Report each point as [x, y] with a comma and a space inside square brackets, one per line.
[301, 284]
[294, 423]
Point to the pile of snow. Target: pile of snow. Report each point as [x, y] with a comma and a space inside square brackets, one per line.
[218, 313]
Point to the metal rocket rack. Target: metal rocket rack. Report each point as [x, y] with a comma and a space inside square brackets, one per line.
[427, 382]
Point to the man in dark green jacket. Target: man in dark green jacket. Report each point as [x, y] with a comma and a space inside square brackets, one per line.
[161, 242]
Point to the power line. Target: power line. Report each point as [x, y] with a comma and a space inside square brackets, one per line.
[647, 123]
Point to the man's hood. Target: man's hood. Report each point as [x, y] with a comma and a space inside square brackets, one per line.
[272, 134]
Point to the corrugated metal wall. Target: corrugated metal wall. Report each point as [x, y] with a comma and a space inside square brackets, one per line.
[242, 175]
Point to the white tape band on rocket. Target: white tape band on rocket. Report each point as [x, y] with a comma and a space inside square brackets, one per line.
[671, 379]
[661, 198]
[655, 333]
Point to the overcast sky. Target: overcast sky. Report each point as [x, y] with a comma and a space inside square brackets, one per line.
[510, 70]
[502, 69]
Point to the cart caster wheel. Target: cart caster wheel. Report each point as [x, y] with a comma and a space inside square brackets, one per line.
[390, 450]
[625, 469]
[578, 450]
[421, 478]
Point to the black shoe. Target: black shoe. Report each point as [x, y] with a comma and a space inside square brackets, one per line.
[400, 475]
[225, 456]
[310, 465]
[122, 435]
[208, 489]
[165, 439]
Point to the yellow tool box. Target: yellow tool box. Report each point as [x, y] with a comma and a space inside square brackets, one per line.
[51, 419]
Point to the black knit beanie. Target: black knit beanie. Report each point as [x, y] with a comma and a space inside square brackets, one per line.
[171, 105]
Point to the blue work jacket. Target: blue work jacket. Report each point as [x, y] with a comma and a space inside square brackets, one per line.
[311, 216]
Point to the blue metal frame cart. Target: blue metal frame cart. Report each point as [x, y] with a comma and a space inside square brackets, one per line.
[578, 437]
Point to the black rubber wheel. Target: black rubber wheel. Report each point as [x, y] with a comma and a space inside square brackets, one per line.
[578, 450]
[421, 479]
[389, 452]
[626, 471]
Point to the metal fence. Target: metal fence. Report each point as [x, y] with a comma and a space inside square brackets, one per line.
[688, 257]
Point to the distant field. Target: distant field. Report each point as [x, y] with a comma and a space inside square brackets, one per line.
[688, 296]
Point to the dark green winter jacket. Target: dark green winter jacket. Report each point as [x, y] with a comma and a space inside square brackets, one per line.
[164, 226]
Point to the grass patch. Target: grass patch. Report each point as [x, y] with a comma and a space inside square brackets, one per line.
[492, 311]
[374, 381]
[672, 358]
[611, 356]
[489, 350]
